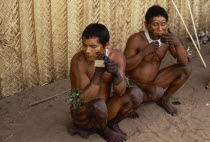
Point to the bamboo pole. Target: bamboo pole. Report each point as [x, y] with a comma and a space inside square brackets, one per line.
[189, 34]
[192, 18]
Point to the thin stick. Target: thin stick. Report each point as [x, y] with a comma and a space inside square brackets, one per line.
[189, 34]
[196, 35]
[8, 137]
[9, 124]
[47, 99]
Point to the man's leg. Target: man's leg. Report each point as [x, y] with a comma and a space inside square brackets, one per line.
[95, 115]
[172, 77]
[119, 107]
[99, 117]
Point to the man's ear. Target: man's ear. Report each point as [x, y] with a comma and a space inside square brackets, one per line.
[145, 24]
[107, 45]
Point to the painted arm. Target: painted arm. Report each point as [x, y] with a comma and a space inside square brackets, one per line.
[179, 53]
[117, 68]
[80, 81]
[176, 48]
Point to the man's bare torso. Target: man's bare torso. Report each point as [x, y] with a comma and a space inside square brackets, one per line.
[89, 68]
[148, 69]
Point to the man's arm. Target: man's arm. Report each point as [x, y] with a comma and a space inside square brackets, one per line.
[133, 58]
[134, 54]
[179, 53]
[80, 81]
[119, 85]
[176, 48]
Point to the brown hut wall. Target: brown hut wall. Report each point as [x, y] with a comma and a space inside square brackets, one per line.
[39, 37]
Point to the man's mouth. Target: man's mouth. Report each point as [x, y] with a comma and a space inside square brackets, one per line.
[89, 57]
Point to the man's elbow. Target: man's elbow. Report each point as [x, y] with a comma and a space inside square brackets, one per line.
[120, 92]
[184, 62]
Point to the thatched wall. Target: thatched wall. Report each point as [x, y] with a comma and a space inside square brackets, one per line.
[39, 37]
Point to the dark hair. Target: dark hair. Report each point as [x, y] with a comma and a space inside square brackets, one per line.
[96, 30]
[155, 10]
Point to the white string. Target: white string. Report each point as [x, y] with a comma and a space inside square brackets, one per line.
[151, 40]
[107, 52]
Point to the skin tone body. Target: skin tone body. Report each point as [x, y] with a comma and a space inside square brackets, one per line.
[102, 111]
[143, 61]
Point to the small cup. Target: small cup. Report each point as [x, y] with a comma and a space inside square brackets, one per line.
[99, 63]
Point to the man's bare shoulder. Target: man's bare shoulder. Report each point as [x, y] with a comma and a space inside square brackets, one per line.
[116, 55]
[135, 40]
[137, 36]
[78, 57]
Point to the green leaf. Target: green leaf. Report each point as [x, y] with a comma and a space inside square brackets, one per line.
[174, 98]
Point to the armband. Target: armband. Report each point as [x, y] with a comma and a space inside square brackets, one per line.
[74, 100]
[128, 84]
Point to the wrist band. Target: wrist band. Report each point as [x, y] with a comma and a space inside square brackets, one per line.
[127, 82]
[74, 100]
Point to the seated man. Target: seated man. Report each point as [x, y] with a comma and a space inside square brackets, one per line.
[100, 110]
[144, 53]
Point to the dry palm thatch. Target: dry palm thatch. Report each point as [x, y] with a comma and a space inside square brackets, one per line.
[75, 9]
[43, 31]
[195, 11]
[122, 19]
[59, 37]
[105, 13]
[10, 57]
[28, 44]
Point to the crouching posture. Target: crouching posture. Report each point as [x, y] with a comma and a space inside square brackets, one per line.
[96, 107]
[144, 53]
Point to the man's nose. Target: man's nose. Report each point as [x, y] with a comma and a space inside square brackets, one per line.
[160, 28]
[88, 50]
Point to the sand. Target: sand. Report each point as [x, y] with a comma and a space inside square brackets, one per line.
[47, 121]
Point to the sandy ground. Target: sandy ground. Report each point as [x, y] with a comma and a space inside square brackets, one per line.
[47, 122]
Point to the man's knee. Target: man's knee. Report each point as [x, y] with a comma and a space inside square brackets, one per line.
[188, 70]
[155, 93]
[98, 107]
[136, 96]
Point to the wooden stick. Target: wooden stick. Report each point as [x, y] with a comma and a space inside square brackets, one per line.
[47, 99]
[189, 34]
[196, 35]
[8, 137]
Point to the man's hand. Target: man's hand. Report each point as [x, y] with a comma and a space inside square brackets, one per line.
[111, 66]
[149, 49]
[101, 70]
[170, 38]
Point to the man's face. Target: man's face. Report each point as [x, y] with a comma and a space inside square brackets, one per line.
[92, 48]
[156, 27]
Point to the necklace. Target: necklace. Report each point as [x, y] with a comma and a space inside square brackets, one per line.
[107, 52]
[151, 40]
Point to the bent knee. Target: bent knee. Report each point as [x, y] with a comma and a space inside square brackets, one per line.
[187, 70]
[155, 93]
[136, 95]
[98, 106]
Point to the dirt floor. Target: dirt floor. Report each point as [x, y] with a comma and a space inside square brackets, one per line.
[47, 121]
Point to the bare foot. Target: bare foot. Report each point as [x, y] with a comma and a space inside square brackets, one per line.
[133, 115]
[84, 133]
[111, 136]
[116, 128]
[167, 106]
